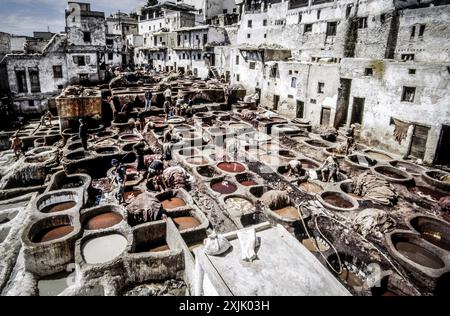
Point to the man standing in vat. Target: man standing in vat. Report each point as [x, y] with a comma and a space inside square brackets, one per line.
[330, 169]
[83, 134]
[120, 177]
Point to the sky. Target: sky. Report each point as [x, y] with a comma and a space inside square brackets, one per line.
[22, 17]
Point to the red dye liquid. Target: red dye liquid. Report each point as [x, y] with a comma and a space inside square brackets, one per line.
[248, 183]
[435, 195]
[233, 167]
[337, 201]
[224, 187]
[55, 233]
[59, 207]
[103, 221]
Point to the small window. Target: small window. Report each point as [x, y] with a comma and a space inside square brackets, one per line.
[238, 78]
[224, 11]
[109, 42]
[265, 35]
[313, 101]
[294, 82]
[252, 65]
[308, 28]
[79, 60]
[249, 36]
[421, 30]
[87, 37]
[237, 60]
[31, 103]
[300, 16]
[57, 72]
[331, 28]
[362, 23]
[368, 72]
[413, 32]
[290, 72]
[199, 56]
[84, 77]
[318, 14]
[407, 57]
[412, 71]
[348, 11]
[250, 24]
[234, 10]
[320, 87]
[408, 94]
[383, 18]
[290, 96]
[265, 22]
[110, 56]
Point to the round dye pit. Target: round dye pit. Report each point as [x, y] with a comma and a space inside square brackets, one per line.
[208, 172]
[317, 143]
[128, 147]
[187, 222]
[77, 155]
[105, 134]
[74, 146]
[309, 164]
[224, 187]
[427, 192]
[173, 203]
[310, 188]
[259, 191]
[391, 172]
[103, 221]
[289, 212]
[246, 179]
[106, 150]
[53, 233]
[129, 138]
[377, 155]
[286, 154]
[238, 126]
[59, 207]
[103, 249]
[432, 230]
[408, 167]
[418, 254]
[232, 167]
[72, 183]
[190, 152]
[362, 161]
[197, 161]
[338, 201]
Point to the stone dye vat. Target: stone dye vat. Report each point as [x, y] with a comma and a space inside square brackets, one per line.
[432, 230]
[58, 201]
[231, 167]
[223, 187]
[392, 174]
[186, 222]
[103, 249]
[338, 201]
[102, 217]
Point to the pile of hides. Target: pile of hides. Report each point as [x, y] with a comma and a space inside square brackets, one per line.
[248, 115]
[145, 208]
[372, 222]
[275, 199]
[401, 130]
[119, 81]
[176, 177]
[374, 189]
[327, 133]
[168, 288]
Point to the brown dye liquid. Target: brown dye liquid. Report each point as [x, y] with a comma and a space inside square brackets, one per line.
[337, 201]
[103, 221]
[184, 223]
[435, 195]
[59, 207]
[288, 212]
[153, 246]
[248, 183]
[173, 203]
[54, 233]
[419, 255]
[231, 167]
[310, 187]
[224, 187]
[390, 174]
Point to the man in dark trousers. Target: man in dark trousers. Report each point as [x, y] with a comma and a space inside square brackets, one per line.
[83, 134]
[120, 177]
[139, 149]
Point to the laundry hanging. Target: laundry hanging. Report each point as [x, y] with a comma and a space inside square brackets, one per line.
[401, 130]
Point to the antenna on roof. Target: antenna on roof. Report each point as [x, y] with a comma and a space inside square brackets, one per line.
[48, 28]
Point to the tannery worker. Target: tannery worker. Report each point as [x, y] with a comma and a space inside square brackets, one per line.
[155, 175]
[148, 100]
[167, 109]
[120, 177]
[296, 170]
[83, 134]
[16, 146]
[330, 169]
[139, 150]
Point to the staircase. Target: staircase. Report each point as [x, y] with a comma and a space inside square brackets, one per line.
[214, 72]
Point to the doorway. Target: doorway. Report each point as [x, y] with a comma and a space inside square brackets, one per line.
[419, 141]
[357, 111]
[325, 117]
[276, 101]
[300, 112]
[442, 156]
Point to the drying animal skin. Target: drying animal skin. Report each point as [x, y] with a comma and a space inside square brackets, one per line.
[275, 199]
[145, 208]
[248, 115]
[372, 222]
[375, 189]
